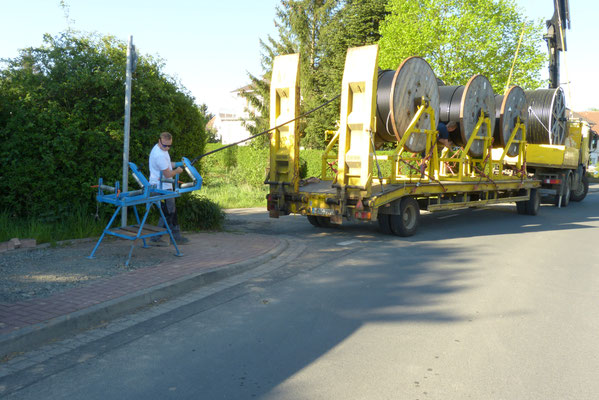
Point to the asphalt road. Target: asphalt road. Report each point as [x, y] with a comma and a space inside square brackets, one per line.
[480, 304]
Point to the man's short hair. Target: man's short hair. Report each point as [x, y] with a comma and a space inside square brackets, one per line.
[452, 125]
[166, 136]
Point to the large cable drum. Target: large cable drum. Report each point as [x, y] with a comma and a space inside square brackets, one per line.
[546, 116]
[399, 94]
[463, 105]
[450, 98]
[508, 109]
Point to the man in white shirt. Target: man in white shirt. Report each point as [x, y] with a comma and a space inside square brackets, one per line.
[160, 162]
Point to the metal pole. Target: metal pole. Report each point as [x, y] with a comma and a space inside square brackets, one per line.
[127, 126]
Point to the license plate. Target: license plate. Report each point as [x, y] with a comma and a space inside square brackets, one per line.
[323, 211]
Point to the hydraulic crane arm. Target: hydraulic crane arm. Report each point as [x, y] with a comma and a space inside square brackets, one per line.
[556, 38]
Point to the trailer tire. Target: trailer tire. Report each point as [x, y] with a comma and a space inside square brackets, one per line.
[384, 223]
[313, 219]
[406, 223]
[533, 204]
[581, 190]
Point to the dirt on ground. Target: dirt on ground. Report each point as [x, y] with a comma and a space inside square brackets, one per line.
[40, 272]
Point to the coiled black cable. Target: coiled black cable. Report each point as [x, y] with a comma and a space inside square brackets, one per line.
[546, 116]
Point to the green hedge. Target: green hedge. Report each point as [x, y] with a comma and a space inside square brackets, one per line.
[248, 165]
[196, 212]
[61, 122]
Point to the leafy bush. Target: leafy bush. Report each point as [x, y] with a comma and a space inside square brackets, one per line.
[237, 165]
[235, 179]
[62, 116]
[198, 213]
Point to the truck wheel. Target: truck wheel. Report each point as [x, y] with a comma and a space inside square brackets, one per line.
[580, 192]
[313, 219]
[406, 223]
[565, 190]
[533, 204]
[384, 223]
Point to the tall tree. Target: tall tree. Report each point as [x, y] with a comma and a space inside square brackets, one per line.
[321, 31]
[460, 38]
[356, 23]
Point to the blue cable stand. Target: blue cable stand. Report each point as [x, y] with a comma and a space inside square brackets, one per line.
[149, 196]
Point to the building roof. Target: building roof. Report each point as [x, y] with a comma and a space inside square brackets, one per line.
[249, 87]
[246, 88]
[590, 116]
[210, 123]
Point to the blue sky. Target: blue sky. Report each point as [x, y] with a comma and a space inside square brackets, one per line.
[209, 45]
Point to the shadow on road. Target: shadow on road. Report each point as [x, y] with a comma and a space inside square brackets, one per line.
[248, 340]
[281, 326]
[465, 223]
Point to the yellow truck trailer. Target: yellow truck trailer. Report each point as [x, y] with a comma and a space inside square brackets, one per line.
[361, 181]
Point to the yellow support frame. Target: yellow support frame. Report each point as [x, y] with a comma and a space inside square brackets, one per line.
[521, 158]
[284, 176]
[398, 161]
[326, 157]
[435, 170]
[358, 107]
[431, 145]
[467, 165]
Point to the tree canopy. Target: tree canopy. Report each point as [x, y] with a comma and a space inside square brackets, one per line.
[321, 31]
[460, 38]
[62, 115]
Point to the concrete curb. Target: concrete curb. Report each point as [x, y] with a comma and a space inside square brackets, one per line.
[27, 338]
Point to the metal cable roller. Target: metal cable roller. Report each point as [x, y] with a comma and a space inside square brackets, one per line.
[383, 106]
[450, 98]
[546, 116]
[399, 94]
[509, 108]
[463, 105]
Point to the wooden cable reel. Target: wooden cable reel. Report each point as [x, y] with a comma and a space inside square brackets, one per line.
[463, 105]
[508, 109]
[546, 116]
[399, 94]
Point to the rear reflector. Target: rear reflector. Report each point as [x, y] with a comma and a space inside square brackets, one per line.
[363, 215]
[552, 181]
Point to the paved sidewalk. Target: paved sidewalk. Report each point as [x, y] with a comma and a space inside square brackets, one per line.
[207, 258]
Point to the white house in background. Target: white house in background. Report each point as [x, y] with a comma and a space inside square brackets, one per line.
[228, 121]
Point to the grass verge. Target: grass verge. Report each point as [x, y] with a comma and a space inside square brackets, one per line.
[77, 225]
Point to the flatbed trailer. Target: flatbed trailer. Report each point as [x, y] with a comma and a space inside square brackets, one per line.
[396, 207]
[418, 176]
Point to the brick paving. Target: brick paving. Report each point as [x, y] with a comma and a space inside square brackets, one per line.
[205, 251]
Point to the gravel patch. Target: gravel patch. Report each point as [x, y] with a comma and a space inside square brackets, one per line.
[41, 272]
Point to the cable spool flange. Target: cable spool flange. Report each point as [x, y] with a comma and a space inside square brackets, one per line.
[478, 97]
[508, 109]
[463, 105]
[399, 94]
[546, 116]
